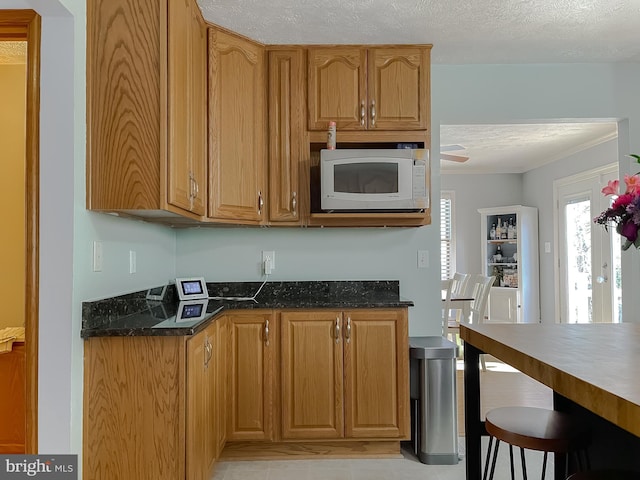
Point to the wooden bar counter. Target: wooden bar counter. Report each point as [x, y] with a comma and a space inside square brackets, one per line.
[592, 369]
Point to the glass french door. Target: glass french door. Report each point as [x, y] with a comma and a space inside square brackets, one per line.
[588, 255]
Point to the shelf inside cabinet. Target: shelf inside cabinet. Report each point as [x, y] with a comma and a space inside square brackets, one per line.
[513, 241]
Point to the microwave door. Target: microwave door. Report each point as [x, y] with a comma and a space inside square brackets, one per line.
[372, 183]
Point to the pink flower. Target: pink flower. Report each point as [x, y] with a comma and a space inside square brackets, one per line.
[611, 188]
[622, 201]
[633, 183]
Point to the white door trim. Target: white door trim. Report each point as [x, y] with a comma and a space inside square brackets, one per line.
[601, 174]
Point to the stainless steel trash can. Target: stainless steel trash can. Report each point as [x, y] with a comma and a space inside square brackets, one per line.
[434, 415]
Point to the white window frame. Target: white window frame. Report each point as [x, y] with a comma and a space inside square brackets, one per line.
[450, 196]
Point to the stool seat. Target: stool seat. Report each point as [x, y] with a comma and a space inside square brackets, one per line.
[605, 475]
[535, 429]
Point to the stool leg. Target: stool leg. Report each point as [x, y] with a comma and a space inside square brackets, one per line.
[513, 470]
[486, 463]
[524, 466]
[544, 465]
[495, 457]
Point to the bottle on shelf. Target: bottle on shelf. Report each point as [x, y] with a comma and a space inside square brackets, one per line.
[499, 229]
[498, 255]
[505, 230]
[511, 230]
[492, 232]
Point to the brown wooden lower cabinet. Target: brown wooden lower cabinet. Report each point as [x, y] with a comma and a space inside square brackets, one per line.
[164, 407]
[253, 342]
[344, 374]
[150, 406]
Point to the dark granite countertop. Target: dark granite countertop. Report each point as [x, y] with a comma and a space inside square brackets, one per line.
[134, 315]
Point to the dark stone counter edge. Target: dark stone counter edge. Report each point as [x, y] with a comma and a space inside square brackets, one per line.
[186, 331]
[131, 314]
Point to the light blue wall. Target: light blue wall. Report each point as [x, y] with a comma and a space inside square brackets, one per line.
[471, 193]
[460, 94]
[538, 192]
[534, 189]
[324, 254]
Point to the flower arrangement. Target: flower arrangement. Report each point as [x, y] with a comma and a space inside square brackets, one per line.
[624, 212]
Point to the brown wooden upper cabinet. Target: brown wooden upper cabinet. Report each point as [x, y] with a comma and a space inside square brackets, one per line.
[287, 133]
[146, 94]
[381, 88]
[237, 122]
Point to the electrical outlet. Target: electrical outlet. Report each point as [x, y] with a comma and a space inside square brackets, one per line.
[268, 261]
[97, 256]
[423, 258]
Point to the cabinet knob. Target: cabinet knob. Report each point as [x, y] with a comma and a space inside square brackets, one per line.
[337, 330]
[260, 203]
[208, 348]
[373, 113]
[347, 332]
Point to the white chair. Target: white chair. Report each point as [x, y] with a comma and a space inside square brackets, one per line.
[480, 293]
[455, 287]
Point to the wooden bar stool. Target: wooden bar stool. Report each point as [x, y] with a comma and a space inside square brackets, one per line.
[534, 429]
[605, 475]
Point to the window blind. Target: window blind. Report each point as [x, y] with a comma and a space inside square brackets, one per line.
[447, 251]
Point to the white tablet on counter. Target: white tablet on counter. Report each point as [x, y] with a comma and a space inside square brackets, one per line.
[191, 288]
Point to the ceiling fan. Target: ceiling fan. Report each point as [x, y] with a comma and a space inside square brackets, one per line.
[453, 157]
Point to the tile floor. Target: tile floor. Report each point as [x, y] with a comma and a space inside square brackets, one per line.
[502, 385]
[407, 468]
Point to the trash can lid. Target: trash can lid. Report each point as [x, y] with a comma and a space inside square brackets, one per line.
[432, 347]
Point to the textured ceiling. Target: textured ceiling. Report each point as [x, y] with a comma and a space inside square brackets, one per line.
[13, 53]
[461, 31]
[517, 148]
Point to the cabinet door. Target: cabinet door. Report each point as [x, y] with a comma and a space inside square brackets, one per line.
[311, 375]
[186, 107]
[253, 343]
[398, 88]
[337, 88]
[212, 385]
[220, 358]
[376, 364]
[237, 122]
[197, 429]
[504, 305]
[286, 133]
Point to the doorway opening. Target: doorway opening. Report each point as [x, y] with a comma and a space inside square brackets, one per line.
[25, 26]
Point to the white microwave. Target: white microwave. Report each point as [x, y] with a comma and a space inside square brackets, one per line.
[374, 179]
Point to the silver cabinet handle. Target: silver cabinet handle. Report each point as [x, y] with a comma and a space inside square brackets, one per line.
[294, 202]
[266, 332]
[347, 332]
[337, 330]
[208, 348]
[363, 113]
[373, 113]
[260, 203]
